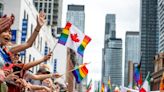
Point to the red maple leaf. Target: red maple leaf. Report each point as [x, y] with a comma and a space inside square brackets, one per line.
[74, 37]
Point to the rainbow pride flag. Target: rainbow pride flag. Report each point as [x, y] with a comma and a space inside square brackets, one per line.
[80, 73]
[102, 87]
[109, 86]
[73, 38]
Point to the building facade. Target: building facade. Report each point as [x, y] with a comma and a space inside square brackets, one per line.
[113, 63]
[53, 10]
[161, 25]
[149, 34]
[132, 52]
[158, 71]
[76, 16]
[112, 54]
[110, 27]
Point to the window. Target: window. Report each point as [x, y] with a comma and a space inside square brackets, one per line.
[41, 5]
[24, 59]
[24, 14]
[31, 28]
[49, 5]
[45, 5]
[45, 10]
[36, 5]
[40, 44]
[49, 10]
[30, 58]
[1, 9]
[33, 67]
[49, 18]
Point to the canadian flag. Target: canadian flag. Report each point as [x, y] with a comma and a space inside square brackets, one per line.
[73, 38]
[146, 85]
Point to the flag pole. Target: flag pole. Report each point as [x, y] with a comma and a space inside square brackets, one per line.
[54, 46]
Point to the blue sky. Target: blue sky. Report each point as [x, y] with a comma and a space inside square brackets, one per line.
[127, 19]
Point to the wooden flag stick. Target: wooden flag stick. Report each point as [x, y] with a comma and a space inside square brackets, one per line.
[54, 47]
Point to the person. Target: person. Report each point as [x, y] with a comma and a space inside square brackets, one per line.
[5, 37]
[5, 34]
[19, 66]
[45, 69]
[162, 84]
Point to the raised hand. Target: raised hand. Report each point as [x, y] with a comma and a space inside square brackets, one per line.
[56, 75]
[47, 89]
[41, 19]
[47, 57]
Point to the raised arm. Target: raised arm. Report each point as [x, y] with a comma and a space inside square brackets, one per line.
[39, 87]
[44, 76]
[34, 63]
[30, 41]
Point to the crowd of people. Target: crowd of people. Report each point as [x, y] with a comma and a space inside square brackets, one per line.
[15, 76]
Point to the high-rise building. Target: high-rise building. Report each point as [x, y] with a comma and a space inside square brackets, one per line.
[110, 27]
[112, 54]
[161, 24]
[149, 34]
[112, 63]
[76, 16]
[132, 52]
[53, 10]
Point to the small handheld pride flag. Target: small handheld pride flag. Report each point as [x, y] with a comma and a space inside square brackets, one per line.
[80, 73]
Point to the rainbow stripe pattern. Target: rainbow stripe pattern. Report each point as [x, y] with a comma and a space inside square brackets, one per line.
[102, 87]
[80, 73]
[109, 86]
[64, 35]
[83, 45]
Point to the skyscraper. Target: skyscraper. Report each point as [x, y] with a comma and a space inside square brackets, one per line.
[112, 54]
[112, 63]
[161, 24]
[132, 52]
[76, 16]
[53, 10]
[110, 27]
[149, 34]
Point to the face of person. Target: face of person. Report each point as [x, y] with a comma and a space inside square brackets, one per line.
[5, 37]
[15, 58]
